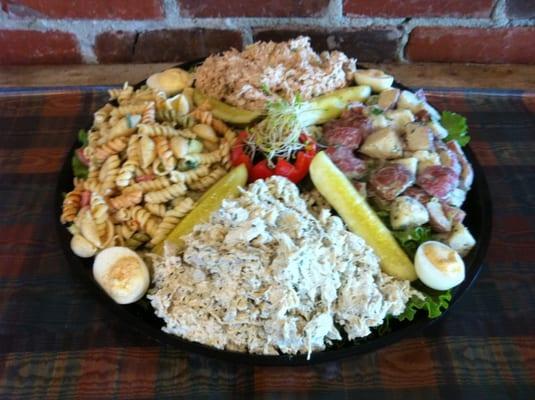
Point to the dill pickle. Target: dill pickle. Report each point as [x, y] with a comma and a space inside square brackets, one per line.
[359, 217]
[225, 112]
[329, 106]
[225, 188]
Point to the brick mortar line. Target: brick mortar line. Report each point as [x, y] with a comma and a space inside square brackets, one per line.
[86, 31]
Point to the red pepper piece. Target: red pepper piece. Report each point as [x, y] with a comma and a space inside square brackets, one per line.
[260, 170]
[238, 155]
[284, 168]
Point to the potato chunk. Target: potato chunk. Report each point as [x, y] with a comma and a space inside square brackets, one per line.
[418, 137]
[407, 212]
[384, 144]
[460, 239]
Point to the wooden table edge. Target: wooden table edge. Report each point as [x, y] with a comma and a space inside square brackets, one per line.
[480, 76]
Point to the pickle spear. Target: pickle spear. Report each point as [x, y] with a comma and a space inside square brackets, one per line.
[225, 112]
[225, 188]
[359, 217]
[329, 106]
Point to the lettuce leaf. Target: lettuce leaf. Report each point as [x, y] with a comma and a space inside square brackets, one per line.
[434, 305]
[79, 169]
[410, 239]
[456, 126]
[82, 137]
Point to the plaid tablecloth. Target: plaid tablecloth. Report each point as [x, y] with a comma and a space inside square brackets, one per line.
[58, 341]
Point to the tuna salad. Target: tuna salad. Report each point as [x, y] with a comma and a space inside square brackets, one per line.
[266, 276]
[267, 71]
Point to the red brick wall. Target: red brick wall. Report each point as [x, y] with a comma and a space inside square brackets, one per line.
[123, 31]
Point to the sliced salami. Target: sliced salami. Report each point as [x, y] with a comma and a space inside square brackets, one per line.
[391, 180]
[437, 180]
[344, 159]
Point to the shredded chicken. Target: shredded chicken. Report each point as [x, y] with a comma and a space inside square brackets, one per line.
[267, 71]
[265, 276]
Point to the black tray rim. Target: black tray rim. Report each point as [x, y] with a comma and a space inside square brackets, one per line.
[81, 269]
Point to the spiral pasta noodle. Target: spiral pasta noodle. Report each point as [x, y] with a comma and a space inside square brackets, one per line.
[164, 152]
[109, 172]
[120, 215]
[164, 195]
[121, 95]
[171, 219]
[99, 210]
[126, 199]
[158, 130]
[207, 181]
[204, 117]
[72, 204]
[110, 148]
[205, 158]
[148, 115]
[157, 210]
[152, 185]
[191, 175]
[100, 116]
[147, 222]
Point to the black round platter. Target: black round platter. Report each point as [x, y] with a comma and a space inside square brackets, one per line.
[140, 315]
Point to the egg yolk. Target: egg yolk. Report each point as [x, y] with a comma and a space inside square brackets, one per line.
[122, 270]
[444, 260]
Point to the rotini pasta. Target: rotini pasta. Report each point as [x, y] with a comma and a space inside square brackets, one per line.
[164, 153]
[121, 95]
[128, 198]
[147, 222]
[99, 211]
[110, 148]
[158, 130]
[171, 219]
[148, 115]
[149, 157]
[207, 181]
[126, 174]
[203, 116]
[158, 210]
[164, 195]
[121, 215]
[205, 158]
[136, 240]
[72, 204]
[100, 116]
[151, 185]
[189, 176]
[108, 173]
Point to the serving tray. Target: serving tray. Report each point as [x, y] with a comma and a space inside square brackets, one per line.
[141, 317]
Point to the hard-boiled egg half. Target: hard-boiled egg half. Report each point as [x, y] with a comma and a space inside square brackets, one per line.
[171, 81]
[374, 78]
[438, 266]
[122, 274]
